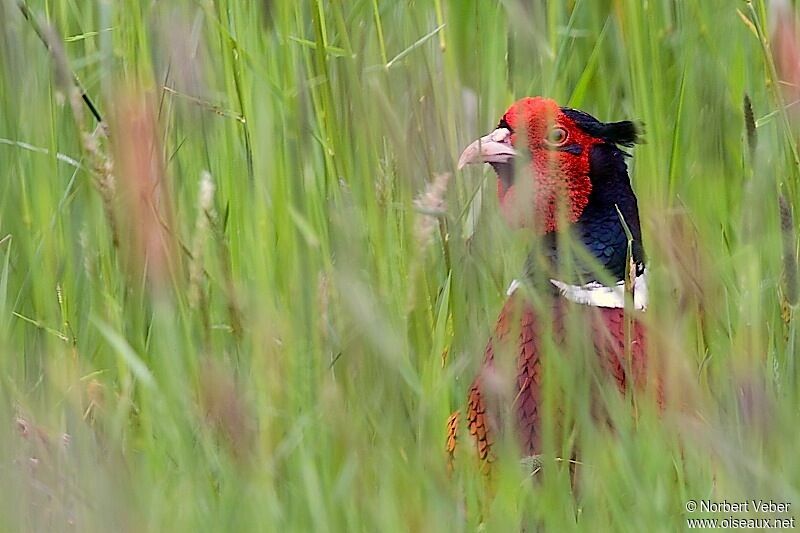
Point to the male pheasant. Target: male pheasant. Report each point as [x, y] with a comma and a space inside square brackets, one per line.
[560, 172]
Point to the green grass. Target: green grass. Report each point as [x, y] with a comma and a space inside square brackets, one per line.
[277, 361]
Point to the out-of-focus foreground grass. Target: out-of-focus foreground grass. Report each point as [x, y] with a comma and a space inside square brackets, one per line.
[224, 310]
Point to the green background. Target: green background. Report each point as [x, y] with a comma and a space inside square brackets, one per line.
[287, 352]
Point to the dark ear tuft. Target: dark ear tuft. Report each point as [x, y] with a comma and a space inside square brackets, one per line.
[625, 133]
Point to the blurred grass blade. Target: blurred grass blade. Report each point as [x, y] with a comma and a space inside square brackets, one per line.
[126, 353]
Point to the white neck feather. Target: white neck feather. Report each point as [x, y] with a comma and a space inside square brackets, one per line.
[598, 295]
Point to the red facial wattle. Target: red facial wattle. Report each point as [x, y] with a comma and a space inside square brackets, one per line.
[554, 184]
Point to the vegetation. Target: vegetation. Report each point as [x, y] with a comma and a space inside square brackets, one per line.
[252, 297]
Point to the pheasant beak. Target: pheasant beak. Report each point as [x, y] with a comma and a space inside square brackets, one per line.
[493, 148]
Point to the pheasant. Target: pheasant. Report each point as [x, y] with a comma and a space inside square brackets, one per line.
[560, 171]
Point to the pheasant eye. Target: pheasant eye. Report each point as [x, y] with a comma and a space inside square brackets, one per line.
[556, 137]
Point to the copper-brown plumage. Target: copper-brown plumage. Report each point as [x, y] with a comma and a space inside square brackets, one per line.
[607, 330]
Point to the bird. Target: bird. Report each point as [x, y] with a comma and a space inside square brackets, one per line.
[560, 172]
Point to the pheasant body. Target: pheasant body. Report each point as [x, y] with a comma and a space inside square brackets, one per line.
[607, 329]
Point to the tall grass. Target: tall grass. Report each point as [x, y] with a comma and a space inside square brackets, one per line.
[224, 310]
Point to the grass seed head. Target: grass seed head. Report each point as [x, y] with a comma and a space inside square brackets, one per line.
[430, 205]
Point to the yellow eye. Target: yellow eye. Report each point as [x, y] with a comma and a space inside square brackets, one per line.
[556, 137]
